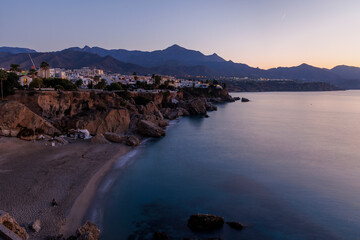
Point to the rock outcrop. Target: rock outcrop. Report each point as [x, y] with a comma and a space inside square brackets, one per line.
[35, 226]
[197, 107]
[235, 225]
[100, 139]
[18, 120]
[205, 222]
[10, 223]
[160, 236]
[89, 231]
[122, 113]
[132, 141]
[150, 129]
[114, 137]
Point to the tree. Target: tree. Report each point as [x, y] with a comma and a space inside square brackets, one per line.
[157, 80]
[9, 81]
[33, 73]
[79, 82]
[96, 79]
[15, 68]
[114, 87]
[37, 82]
[44, 66]
[3, 77]
[134, 73]
[90, 85]
[101, 85]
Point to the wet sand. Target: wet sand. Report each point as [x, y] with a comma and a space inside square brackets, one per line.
[32, 174]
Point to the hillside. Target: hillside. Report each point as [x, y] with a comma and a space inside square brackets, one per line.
[71, 59]
[178, 61]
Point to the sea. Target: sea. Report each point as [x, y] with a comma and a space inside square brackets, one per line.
[286, 165]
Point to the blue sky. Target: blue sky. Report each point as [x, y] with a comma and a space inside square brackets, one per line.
[260, 33]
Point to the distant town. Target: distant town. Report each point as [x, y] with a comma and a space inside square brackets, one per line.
[47, 78]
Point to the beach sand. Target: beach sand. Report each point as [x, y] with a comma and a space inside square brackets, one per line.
[32, 174]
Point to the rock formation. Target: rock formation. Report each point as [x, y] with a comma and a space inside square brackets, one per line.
[35, 226]
[123, 113]
[235, 225]
[205, 222]
[100, 139]
[10, 223]
[150, 129]
[89, 231]
[114, 137]
[18, 120]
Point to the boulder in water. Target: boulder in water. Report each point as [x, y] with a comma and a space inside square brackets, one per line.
[132, 141]
[205, 222]
[160, 236]
[150, 129]
[235, 225]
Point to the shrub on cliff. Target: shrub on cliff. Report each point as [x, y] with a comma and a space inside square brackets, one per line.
[54, 82]
[114, 87]
[36, 83]
[10, 82]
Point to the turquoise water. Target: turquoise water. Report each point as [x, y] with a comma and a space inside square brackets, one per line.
[287, 165]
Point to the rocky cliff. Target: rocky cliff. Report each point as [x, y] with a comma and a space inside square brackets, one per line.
[144, 113]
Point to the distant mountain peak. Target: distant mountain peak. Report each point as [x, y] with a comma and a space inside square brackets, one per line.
[305, 65]
[175, 47]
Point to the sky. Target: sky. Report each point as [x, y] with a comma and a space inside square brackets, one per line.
[260, 33]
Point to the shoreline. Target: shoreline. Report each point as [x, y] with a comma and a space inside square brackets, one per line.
[32, 174]
[80, 207]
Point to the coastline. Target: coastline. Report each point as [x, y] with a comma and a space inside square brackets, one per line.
[76, 214]
[32, 174]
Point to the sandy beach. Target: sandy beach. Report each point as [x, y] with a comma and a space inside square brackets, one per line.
[32, 174]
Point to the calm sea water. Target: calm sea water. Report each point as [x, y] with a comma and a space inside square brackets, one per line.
[287, 165]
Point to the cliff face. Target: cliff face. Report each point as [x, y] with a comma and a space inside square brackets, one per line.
[19, 120]
[121, 113]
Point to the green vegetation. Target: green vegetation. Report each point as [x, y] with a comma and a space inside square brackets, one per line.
[45, 66]
[56, 82]
[15, 68]
[101, 85]
[9, 81]
[157, 80]
[36, 83]
[114, 87]
[145, 86]
[33, 73]
[78, 83]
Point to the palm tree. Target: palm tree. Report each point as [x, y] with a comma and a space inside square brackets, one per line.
[15, 68]
[44, 66]
[33, 73]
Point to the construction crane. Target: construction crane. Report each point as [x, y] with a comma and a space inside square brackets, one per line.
[33, 64]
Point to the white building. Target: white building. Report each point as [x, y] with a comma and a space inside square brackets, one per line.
[42, 73]
[25, 80]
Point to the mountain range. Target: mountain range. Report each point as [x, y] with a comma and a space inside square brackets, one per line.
[174, 60]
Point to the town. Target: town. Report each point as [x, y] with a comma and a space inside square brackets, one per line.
[86, 78]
